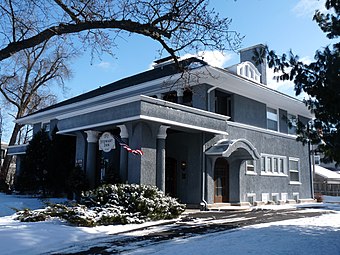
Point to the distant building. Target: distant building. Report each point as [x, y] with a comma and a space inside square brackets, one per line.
[208, 135]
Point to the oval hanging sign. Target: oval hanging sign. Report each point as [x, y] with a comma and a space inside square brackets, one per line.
[106, 142]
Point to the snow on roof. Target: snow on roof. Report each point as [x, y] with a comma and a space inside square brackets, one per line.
[326, 173]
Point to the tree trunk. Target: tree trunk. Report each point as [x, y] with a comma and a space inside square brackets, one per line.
[8, 159]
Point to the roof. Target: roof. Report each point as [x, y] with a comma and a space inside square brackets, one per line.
[229, 82]
[156, 73]
[326, 173]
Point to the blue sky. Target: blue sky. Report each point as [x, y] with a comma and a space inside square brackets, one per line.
[282, 25]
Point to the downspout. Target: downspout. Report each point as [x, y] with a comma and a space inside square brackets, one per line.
[311, 154]
[204, 204]
[208, 95]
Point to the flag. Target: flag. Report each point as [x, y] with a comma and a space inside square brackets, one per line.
[127, 147]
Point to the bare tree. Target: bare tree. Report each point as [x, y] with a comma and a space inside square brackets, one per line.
[25, 83]
[177, 25]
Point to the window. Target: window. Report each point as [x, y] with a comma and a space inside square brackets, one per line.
[187, 97]
[251, 197]
[275, 197]
[269, 166]
[223, 103]
[273, 165]
[250, 167]
[317, 159]
[272, 120]
[170, 96]
[292, 123]
[46, 127]
[265, 197]
[276, 165]
[284, 197]
[294, 167]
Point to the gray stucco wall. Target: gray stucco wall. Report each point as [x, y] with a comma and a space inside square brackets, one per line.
[199, 96]
[269, 143]
[249, 111]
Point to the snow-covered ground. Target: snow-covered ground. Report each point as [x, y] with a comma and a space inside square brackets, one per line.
[314, 235]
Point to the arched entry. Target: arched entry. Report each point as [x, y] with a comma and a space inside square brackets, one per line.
[221, 181]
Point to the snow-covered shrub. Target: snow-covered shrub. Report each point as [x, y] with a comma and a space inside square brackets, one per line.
[112, 204]
[142, 201]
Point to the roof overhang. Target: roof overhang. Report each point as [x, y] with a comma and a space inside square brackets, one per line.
[327, 174]
[17, 149]
[143, 108]
[239, 149]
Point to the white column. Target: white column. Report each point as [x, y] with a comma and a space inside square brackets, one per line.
[123, 163]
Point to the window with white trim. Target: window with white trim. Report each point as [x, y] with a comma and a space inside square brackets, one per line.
[284, 197]
[317, 159]
[273, 164]
[265, 197]
[294, 169]
[275, 197]
[272, 119]
[251, 198]
[296, 196]
[250, 167]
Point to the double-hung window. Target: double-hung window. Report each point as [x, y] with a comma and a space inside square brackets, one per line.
[272, 119]
[294, 170]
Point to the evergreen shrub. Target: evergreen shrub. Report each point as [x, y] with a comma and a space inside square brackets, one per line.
[112, 204]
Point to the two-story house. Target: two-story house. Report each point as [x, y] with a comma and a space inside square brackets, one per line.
[208, 135]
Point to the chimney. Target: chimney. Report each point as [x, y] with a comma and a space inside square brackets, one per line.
[247, 54]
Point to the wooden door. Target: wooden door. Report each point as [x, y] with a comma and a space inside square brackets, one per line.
[221, 181]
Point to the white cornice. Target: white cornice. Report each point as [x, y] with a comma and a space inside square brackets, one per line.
[65, 109]
[262, 130]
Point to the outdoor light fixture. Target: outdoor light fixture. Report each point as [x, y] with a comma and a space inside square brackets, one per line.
[183, 165]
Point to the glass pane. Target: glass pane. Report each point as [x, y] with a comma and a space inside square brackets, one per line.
[293, 165]
[271, 124]
[294, 176]
[271, 114]
[269, 164]
[282, 168]
[276, 166]
[250, 165]
[263, 164]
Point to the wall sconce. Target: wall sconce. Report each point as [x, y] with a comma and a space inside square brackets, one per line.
[183, 165]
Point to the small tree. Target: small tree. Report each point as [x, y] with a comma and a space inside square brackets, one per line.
[25, 83]
[33, 176]
[60, 162]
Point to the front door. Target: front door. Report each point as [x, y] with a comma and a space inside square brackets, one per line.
[221, 181]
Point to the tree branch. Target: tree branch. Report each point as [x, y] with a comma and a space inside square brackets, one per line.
[127, 25]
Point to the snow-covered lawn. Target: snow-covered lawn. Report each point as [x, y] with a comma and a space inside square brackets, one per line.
[316, 235]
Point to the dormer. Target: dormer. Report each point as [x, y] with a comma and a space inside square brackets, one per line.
[247, 70]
